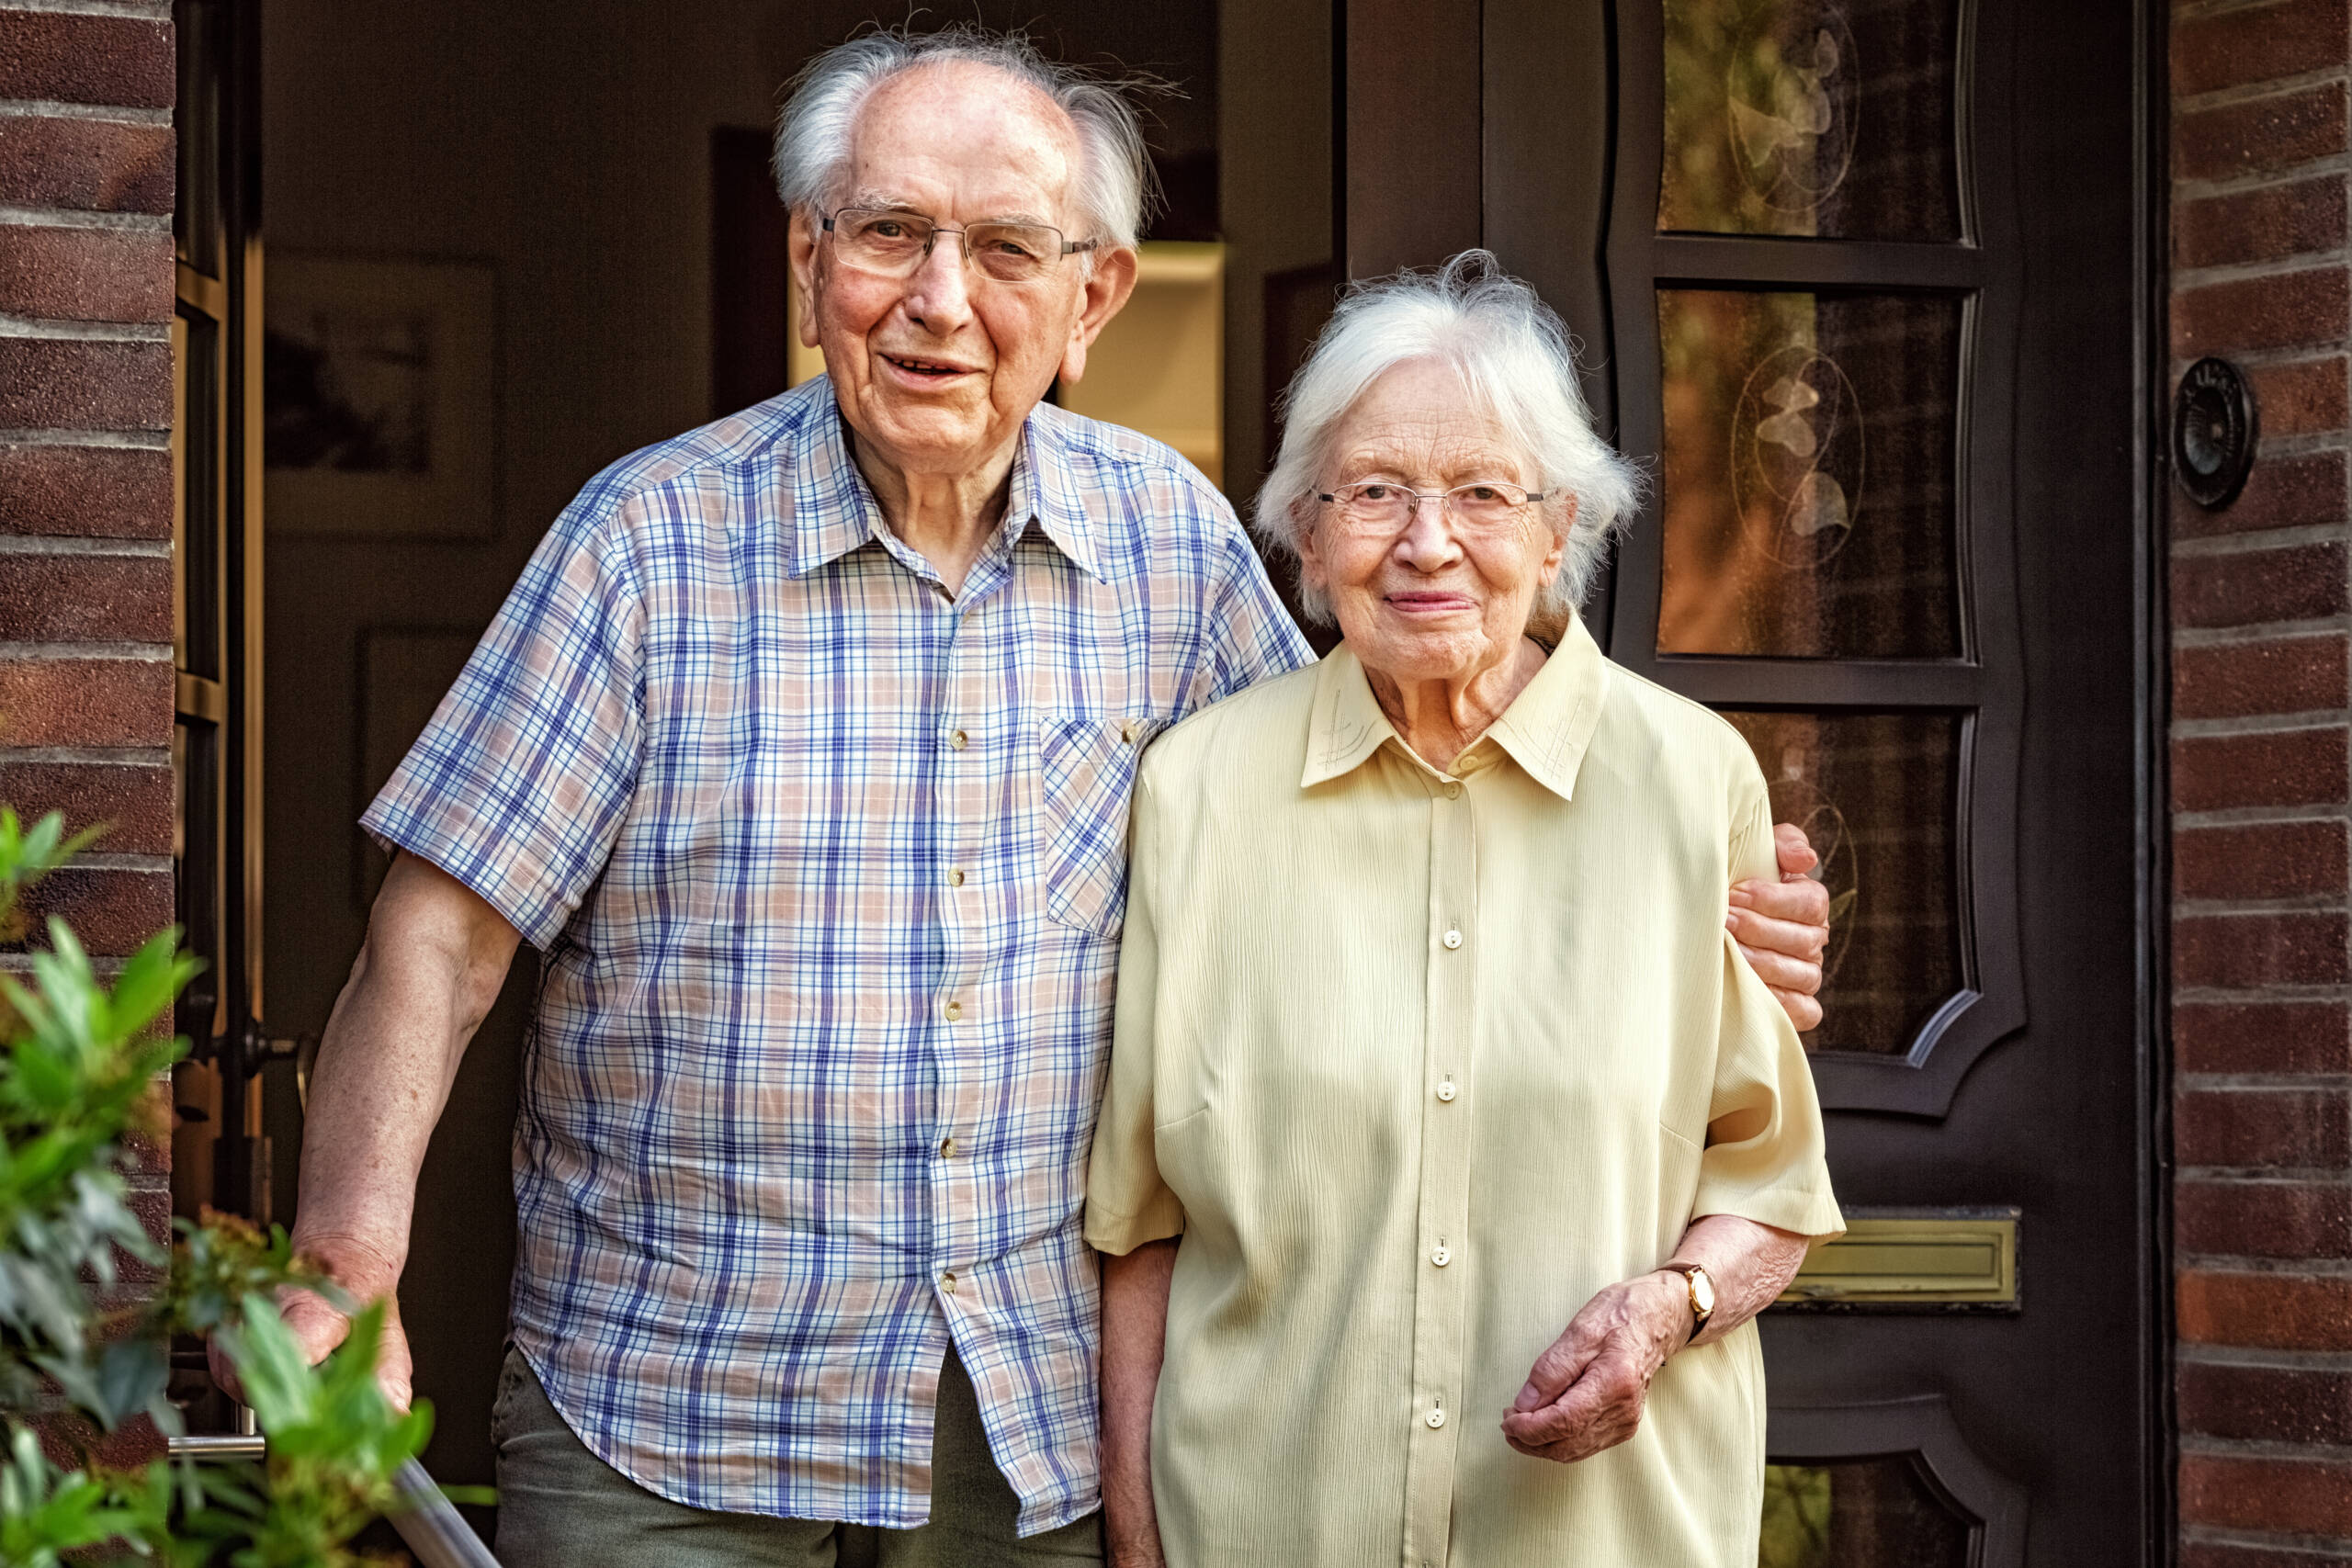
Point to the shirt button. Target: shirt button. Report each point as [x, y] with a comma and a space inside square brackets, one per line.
[947, 1281]
[955, 879]
[1445, 1089]
[946, 1148]
[1436, 1418]
[1442, 1257]
[956, 740]
[1453, 791]
[1127, 730]
[956, 1011]
[1453, 939]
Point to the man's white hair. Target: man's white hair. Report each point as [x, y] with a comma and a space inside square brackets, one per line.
[1517, 365]
[1114, 191]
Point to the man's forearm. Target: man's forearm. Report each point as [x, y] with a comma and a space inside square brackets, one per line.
[428, 973]
[1135, 1335]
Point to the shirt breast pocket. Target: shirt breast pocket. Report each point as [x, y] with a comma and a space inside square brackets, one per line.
[1086, 770]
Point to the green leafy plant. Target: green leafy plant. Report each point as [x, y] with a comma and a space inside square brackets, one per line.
[79, 1061]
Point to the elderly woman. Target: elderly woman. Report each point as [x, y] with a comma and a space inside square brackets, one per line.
[1450, 1145]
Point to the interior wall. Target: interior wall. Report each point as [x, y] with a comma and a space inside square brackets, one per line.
[566, 142]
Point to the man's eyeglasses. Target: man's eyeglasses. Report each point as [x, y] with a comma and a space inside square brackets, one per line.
[895, 243]
[1383, 507]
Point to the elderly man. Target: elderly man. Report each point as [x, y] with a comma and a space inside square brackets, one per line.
[803, 751]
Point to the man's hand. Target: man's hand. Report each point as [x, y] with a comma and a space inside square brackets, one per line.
[1783, 927]
[1586, 1392]
[364, 1275]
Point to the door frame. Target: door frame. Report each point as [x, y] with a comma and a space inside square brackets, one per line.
[1410, 113]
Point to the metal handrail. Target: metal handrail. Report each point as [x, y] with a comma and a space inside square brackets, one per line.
[427, 1520]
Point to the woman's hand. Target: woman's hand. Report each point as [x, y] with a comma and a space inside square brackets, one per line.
[1586, 1392]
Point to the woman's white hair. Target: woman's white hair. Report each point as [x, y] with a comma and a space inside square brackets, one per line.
[1516, 364]
[1114, 192]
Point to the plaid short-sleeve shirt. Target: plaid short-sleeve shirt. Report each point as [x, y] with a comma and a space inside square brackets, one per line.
[829, 870]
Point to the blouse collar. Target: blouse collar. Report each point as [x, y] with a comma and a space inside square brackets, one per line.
[1546, 730]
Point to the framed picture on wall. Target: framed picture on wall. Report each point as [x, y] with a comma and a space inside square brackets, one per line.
[381, 405]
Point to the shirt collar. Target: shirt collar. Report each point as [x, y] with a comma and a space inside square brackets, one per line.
[1546, 730]
[833, 511]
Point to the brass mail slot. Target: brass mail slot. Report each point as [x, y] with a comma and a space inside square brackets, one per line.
[1913, 1258]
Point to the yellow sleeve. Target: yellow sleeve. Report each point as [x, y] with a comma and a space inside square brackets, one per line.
[1127, 1204]
[1765, 1158]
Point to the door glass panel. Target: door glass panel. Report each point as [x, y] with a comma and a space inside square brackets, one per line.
[1876, 793]
[1875, 1513]
[1810, 455]
[1810, 116]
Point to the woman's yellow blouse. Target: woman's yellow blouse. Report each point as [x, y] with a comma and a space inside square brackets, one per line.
[1416, 1063]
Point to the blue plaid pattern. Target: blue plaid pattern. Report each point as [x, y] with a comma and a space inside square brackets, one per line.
[828, 870]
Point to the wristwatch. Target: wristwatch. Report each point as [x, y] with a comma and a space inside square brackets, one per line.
[1703, 1295]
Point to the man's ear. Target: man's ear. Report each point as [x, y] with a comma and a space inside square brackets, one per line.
[801, 246]
[1107, 290]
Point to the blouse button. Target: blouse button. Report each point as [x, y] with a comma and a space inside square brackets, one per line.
[1436, 1418]
[1442, 1257]
[1453, 939]
[1446, 1091]
[1453, 791]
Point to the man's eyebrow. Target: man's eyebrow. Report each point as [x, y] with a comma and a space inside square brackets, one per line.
[878, 201]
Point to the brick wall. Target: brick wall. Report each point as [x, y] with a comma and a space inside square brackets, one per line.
[86, 466]
[2261, 604]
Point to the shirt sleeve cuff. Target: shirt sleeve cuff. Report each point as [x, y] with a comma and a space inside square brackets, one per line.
[1119, 1234]
[393, 831]
[1807, 1212]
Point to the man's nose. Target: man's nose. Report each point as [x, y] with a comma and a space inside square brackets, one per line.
[936, 295]
[1428, 544]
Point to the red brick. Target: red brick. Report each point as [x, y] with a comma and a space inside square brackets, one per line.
[2270, 224]
[2288, 767]
[2295, 674]
[86, 163]
[85, 599]
[2262, 1037]
[2281, 311]
[2299, 491]
[2266, 1404]
[2238, 1554]
[86, 492]
[111, 911]
[117, 61]
[2298, 582]
[86, 702]
[134, 802]
[2257, 45]
[86, 275]
[2242, 951]
[2252, 138]
[2264, 1312]
[48, 384]
[2306, 1497]
[2306, 396]
[2264, 1219]
[2288, 1128]
[2268, 859]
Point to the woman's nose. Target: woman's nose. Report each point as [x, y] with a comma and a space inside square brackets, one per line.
[1427, 542]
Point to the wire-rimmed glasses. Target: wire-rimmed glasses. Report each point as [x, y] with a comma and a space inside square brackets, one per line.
[1383, 507]
[894, 244]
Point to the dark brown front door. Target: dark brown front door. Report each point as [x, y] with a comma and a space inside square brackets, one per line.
[1862, 283]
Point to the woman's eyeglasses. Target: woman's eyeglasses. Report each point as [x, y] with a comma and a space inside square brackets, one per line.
[1383, 506]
